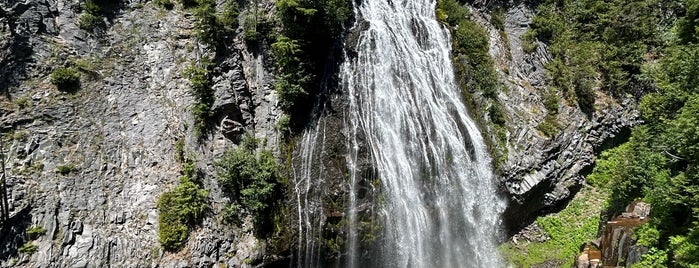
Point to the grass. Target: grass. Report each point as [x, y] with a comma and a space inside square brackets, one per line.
[567, 229]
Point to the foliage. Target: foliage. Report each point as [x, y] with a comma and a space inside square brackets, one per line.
[595, 41]
[180, 209]
[65, 79]
[550, 126]
[497, 18]
[89, 21]
[66, 169]
[497, 114]
[28, 248]
[251, 181]
[310, 29]
[91, 18]
[167, 4]
[659, 162]
[35, 232]
[567, 229]
[200, 78]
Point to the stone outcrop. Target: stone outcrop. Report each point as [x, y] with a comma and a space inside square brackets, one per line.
[617, 246]
[542, 171]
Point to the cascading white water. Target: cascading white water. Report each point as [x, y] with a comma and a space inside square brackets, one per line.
[308, 190]
[442, 208]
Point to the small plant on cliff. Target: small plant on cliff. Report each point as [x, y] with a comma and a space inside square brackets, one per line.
[66, 169]
[35, 232]
[65, 79]
[28, 248]
[91, 17]
[251, 180]
[200, 79]
[180, 209]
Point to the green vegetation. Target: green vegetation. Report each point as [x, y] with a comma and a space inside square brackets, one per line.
[28, 248]
[213, 27]
[92, 17]
[200, 78]
[660, 161]
[181, 208]
[66, 169]
[166, 4]
[300, 51]
[597, 43]
[65, 79]
[475, 69]
[567, 229]
[35, 232]
[647, 50]
[252, 181]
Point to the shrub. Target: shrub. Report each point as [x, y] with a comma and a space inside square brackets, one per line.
[66, 169]
[228, 19]
[528, 41]
[497, 114]
[206, 25]
[28, 248]
[167, 4]
[250, 179]
[89, 21]
[200, 80]
[65, 79]
[497, 18]
[549, 126]
[35, 232]
[179, 209]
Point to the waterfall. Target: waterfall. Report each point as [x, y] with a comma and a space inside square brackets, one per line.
[442, 207]
[440, 203]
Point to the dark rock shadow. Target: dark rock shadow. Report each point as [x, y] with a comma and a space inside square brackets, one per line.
[13, 233]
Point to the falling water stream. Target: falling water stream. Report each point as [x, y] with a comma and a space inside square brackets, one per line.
[441, 205]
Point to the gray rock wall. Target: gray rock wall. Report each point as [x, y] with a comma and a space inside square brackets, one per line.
[118, 131]
[541, 172]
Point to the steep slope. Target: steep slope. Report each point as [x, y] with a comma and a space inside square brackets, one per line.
[88, 166]
[541, 170]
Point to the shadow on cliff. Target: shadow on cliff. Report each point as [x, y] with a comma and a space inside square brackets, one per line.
[15, 52]
[14, 233]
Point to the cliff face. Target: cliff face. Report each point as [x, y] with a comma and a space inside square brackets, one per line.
[542, 170]
[113, 139]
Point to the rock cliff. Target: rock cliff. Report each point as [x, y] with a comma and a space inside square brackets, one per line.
[88, 166]
[542, 170]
